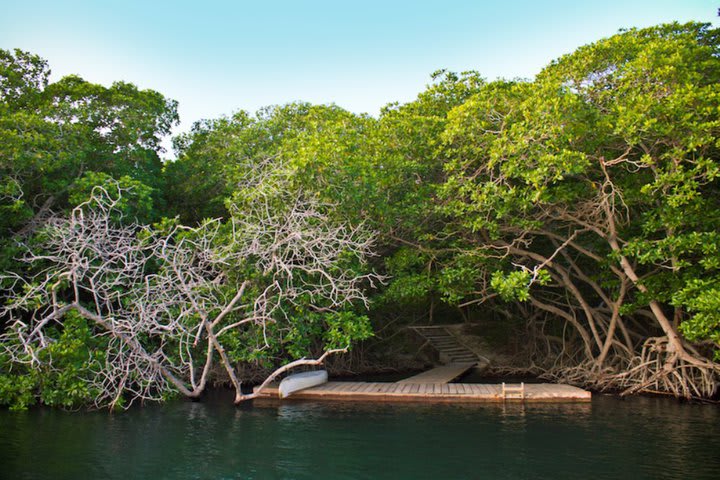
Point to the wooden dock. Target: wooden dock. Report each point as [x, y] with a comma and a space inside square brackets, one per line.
[443, 374]
[433, 386]
[434, 392]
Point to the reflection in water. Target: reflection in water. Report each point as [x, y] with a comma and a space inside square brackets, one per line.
[610, 438]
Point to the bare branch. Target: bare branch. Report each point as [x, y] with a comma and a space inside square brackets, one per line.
[164, 305]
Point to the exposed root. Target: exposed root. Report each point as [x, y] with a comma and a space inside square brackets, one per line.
[656, 370]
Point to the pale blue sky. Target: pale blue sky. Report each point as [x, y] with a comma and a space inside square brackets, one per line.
[216, 57]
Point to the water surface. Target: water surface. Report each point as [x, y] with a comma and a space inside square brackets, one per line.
[610, 438]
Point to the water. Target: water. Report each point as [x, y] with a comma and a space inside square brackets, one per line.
[637, 438]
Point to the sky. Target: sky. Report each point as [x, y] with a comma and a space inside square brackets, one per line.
[216, 57]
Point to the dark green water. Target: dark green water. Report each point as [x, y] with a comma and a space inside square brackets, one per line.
[610, 438]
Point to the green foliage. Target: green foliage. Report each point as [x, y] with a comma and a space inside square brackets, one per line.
[410, 281]
[63, 377]
[135, 204]
[18, 391]
[23, 76]
[457, 279]
[346, 328]
[633, 119]
[701, 297]
[516, 285]
[13, 208]
[52, 134]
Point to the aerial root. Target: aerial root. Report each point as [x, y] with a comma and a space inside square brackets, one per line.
[657, 369]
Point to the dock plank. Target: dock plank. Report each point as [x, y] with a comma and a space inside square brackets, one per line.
[366, 388]
[331, 386]
[387, 387]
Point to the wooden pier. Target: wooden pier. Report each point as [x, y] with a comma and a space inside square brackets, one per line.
[434, 393]
[433, 387]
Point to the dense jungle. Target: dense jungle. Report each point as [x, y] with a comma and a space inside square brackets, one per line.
[570, 221]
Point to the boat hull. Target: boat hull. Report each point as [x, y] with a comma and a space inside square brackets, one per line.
[300, 381]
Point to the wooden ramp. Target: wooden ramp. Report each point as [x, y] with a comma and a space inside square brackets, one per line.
[446, 344]
[434, 392]
[443, 374]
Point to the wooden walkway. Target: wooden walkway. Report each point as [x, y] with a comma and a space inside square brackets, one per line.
[443, 374]
[446, 344]
[434, 392]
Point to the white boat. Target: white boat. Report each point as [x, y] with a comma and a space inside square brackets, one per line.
[300, 381]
